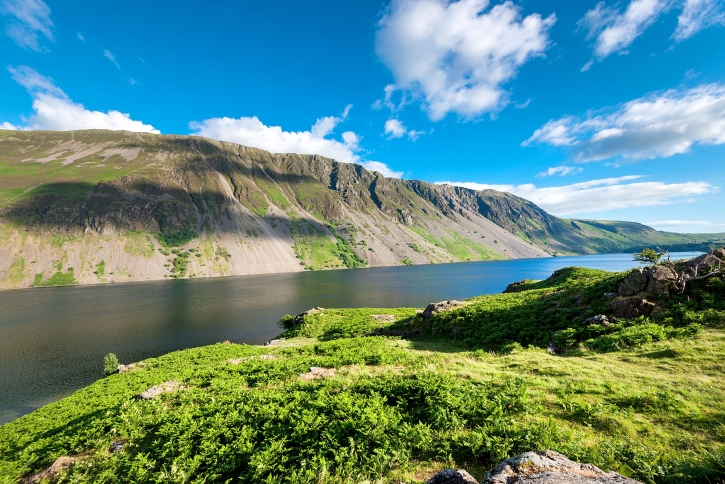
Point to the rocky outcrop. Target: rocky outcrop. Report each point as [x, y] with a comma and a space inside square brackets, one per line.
[632, 307]
[51, 473]
[657, 280]
[549, 467]
[439, 307]
[517, 286]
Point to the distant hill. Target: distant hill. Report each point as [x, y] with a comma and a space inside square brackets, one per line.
[102, 206]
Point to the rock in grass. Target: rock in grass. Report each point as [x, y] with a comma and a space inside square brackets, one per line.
[632, 307]
[51, 473]
[156, 390]
[599, 319]
[439, 307]
[317, 372]
[549, 467]
[452, 476]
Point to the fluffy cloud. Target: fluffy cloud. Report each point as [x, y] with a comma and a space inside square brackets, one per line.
[394, 128]
[561, 171]
[6, 125]
[614, 31]
[658, 125]
[250, 131]
[28, 20]
[600, 195]
[54, 110]
[457, 55]
[698, 15]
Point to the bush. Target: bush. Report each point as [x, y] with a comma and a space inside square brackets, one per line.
[110, 364]
[286, 321]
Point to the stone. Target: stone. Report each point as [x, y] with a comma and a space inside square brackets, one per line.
[549, 467]
[300, 318]
[553, 349]
[316, 372]
[517, 286]
[129, 367]
[701, 265]
[719, 253]
[634, 282]
[659, 280]
[599, 319]
[117, 446]
[274, 342]
[388, 318]
[439, 307]
[452, 476]
[51, 473]
[156, 390]
[632, 307]
[267, 357]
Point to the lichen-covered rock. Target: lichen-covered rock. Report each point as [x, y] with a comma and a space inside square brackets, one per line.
[659, 280]
[719, 253]
[452, 476]
[634, 282]
[632, 307]
[439, 307]
[549, 467]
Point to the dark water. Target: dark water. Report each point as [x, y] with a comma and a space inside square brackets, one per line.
[52, 340]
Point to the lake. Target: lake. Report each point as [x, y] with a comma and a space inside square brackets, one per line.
[52, 340]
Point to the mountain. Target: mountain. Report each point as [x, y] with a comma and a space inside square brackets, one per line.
[107, 206]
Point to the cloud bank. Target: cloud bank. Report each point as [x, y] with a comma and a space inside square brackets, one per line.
[600, 195]
[250, 131]
[29, 19]
[658, 125]
[54, 110]
[456, 56]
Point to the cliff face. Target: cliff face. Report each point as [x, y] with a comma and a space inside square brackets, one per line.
[101, 206]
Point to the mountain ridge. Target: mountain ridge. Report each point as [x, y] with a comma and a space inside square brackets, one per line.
[99, 206]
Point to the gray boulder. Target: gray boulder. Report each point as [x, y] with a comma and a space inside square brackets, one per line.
[632, 307]
[634, 282]
[452, 476]
[549, 467]
[439, 307]
[599, 319]
[659, 280]
[719, 253]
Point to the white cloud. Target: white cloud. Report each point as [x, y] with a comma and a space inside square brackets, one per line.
[456, 56]
[657, 125]
[54, 110]
[682, 223]
[250, 131]
[698, 15]
[80, 37]
[109, 55]
[600, 195]
[394, 128]
[382, 168]
[6, 125]
[561, 171]
[616, 31]
[29, 18]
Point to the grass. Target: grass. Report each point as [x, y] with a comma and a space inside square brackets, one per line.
[138, 244]
[60, 278]
[399, 410]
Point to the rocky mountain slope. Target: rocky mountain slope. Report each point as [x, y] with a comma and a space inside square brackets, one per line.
[102, 206]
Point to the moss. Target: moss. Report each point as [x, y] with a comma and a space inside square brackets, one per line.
[58, 279]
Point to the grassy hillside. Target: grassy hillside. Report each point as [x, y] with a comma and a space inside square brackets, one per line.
[467, 388]
[144, 206]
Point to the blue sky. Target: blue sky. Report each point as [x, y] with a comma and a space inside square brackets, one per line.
[607, 110]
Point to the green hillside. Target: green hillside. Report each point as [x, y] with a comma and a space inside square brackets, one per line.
[465, 388]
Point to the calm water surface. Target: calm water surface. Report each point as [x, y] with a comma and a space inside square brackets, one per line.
[52, 340]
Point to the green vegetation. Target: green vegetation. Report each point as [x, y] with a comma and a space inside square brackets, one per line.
[469, 387]
[180, 265]
[407, 261]
[648, 256]
[60, 278]
[100, 271]
[138, 244]
[17, 271]
[316, 250]
[110, 364]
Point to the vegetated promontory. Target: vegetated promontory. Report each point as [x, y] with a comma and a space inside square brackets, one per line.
[620, 370]
[106, 206]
